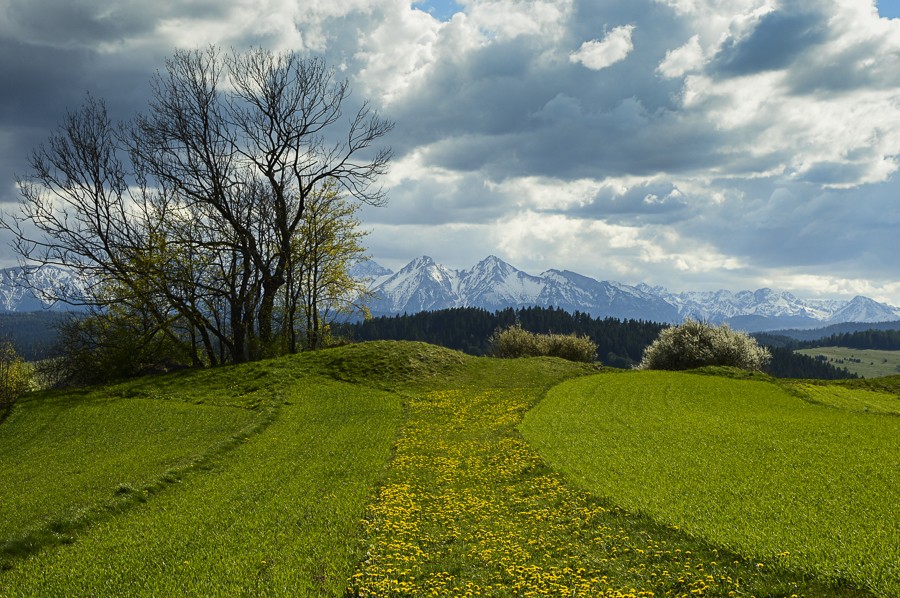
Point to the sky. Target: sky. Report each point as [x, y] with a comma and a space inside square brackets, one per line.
[693, 144]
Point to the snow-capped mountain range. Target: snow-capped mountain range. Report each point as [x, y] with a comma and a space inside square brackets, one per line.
[33, 289]
[492, 284]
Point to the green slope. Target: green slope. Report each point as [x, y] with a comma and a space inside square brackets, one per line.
[806, 480]
[379, 469]
[868, 363]
[278, 515]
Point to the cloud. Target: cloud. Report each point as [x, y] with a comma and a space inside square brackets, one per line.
[683, 59]
[600, 54]
[777, 40]
[710, 143]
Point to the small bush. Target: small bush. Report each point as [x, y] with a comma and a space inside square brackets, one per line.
[15, 378]
[696, 344]
[515, 342]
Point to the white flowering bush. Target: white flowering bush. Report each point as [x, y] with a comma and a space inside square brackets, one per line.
[696, 344]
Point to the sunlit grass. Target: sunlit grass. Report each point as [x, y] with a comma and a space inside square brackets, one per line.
[868, 363]
[277, 515]
[852, 399]
[470, 509]
[61, 456]
[380, 469]
[746, 464]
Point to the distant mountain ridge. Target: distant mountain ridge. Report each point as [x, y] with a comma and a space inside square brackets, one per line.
[34, 288]
[492, 284]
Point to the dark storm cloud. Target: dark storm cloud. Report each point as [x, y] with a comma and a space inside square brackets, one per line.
[797, 226]
[557, 140]
[433, 201]
[778, 40]
[41, 83]
[651, 203]
[85, 23]
[508, 110]
[37, 80]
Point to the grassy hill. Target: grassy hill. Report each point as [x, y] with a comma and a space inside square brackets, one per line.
[799, 474]
[378, 469]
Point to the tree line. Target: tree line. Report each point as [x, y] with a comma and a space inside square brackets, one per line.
[620, 343]
[787, 364]
[885, 340]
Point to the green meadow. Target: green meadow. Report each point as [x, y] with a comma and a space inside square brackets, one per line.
[803, 475]
[868, 363]
[404, 469]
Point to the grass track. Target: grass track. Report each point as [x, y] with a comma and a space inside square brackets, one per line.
[811, 485]
[58, 455]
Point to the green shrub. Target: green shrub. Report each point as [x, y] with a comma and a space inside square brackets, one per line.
[697, 344]
[15, 377]
[109, 346]
[515, 342]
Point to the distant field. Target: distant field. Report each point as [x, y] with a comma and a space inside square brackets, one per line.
[868, 363]
[807, 478]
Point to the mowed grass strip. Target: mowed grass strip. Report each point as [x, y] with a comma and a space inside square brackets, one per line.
[278, 515]
[742, 463]
[74, 457]
[469, 509]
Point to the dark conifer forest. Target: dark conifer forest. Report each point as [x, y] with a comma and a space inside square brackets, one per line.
[619, 343]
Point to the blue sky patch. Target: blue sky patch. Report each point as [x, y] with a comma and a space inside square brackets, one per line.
[444, 10]
[889, 8]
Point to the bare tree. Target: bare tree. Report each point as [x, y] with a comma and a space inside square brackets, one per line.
[189, 212]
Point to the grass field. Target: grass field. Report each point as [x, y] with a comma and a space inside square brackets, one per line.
[868, 363]
[805, 477]
[272, 509]
[380, 469]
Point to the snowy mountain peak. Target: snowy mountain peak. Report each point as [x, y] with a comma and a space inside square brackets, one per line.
[494, 284]
[369, 270]
[491, 266]
[418, 263]
[38, 288]
[863, 309]
[492, 261]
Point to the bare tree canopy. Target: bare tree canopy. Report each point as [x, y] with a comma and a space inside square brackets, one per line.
[188, 213]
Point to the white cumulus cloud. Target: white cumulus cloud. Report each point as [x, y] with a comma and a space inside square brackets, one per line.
[681, 60]
[600, 54]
